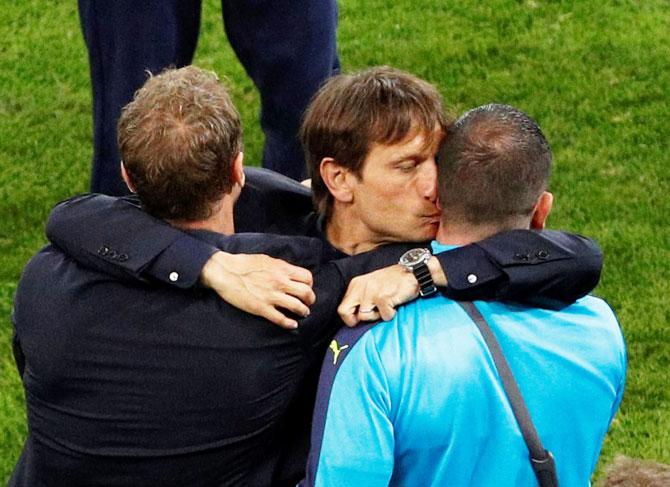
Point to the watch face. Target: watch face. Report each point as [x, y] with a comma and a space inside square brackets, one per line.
[414, 257]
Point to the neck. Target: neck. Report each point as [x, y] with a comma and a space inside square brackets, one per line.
[463, 233]
[221, 220]
[348, 234]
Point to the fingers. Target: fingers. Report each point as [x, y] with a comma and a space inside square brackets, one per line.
[348, 314]
[275, 307]
[367, 309]
[386, 309]
[348, 308]
[275, 316]
[261, 285]
[368, 313]
[375, 295]
[358, 303]
[353, 315]
[299, 290]
[293, 280]
[289, 303]
[297, 274]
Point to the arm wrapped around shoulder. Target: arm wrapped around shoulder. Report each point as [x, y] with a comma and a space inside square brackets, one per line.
[545, 268]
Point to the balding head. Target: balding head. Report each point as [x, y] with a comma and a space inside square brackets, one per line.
[179, 138]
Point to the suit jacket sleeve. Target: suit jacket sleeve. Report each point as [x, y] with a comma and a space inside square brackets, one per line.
[547, 268]
[272, 203]
[115, 236]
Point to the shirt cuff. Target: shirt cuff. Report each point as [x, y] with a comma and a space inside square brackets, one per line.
[469, 271]
[180, 264]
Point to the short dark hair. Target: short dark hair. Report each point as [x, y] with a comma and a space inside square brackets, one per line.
[493, 166]
[353, 111]
[178, 139]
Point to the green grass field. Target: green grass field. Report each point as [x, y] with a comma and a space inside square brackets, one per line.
[595, 75]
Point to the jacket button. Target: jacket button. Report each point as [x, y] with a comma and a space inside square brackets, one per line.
[542, 254]
[104, 250]
[174, 276]
[122, 257]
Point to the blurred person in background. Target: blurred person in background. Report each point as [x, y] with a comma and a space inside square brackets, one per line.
[287, 47]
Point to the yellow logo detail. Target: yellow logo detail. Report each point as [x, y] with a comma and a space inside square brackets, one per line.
[336, 350]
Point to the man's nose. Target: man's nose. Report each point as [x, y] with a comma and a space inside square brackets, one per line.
[428, 181]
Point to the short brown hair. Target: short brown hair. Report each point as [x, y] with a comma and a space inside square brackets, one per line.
[494, 164]
[178, 139]
[353, 111]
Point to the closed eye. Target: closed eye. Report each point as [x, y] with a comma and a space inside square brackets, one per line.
[407, 166]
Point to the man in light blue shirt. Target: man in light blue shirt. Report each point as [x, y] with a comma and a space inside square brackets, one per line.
[418, 400]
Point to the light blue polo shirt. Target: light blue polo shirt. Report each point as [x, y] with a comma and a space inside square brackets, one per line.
[418, 401]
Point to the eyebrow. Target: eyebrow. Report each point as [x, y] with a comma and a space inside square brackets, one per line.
[401, 158]
[419, 154]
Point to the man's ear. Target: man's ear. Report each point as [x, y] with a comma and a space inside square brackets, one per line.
[542, 210]
[126, 178]
[238, 169]
[337, 179]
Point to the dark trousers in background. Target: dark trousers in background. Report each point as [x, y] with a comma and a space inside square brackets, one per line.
[288, 48]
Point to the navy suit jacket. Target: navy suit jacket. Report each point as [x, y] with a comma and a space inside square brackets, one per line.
[133, 383]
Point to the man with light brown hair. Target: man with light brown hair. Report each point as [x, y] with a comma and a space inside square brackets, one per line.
[135, 383]
[179, 137]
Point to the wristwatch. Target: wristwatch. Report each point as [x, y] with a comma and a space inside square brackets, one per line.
[415, 261]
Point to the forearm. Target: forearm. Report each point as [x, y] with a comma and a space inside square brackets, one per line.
[547, 268]
[114, 236]
[558, 269]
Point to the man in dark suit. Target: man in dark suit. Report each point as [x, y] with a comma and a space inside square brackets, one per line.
[139, 384]
[287, 47]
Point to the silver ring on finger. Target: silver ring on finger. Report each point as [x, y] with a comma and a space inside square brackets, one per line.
[367, 310]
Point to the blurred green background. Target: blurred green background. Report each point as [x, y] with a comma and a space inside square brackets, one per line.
[595, 75]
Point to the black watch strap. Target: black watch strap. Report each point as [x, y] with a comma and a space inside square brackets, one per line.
[426, 284]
